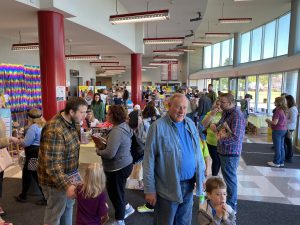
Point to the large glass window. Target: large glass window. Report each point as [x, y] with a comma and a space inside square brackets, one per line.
[232, 86]
[231, 51]
[216, 55]
[224, 85]
[276, 82]
[251, 90]
[269, 40]
[207, 57]
[225, 53]
[283, 34]
[256, 44]
[216, 85]
[262, 103]
[245, 47]
[241, 88]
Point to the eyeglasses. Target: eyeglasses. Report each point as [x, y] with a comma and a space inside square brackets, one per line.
[223, 102]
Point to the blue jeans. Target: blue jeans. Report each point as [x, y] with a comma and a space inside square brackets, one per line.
[59, 209]
[229, 165]
[174, 213]
[278, 141]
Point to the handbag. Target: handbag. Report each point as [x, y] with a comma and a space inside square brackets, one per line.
[32, 164]
[5, 159]
[137, 149]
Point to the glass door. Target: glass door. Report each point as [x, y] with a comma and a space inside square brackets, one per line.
[233, 86]
[241, 88]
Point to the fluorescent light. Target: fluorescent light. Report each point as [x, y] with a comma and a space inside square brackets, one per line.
[140, 17]
[103, 63]
[143, 69]
[83, 57]
[201, 43]
[167, 40]
[168, 52]
[210, 34]
[187, 49]
[25, 46]
[159, 58]
[242, 0]
[113, 67]
[158, 63]
[235, 20]
[149, 67]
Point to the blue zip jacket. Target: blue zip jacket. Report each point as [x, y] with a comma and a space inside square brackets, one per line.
[162, 159]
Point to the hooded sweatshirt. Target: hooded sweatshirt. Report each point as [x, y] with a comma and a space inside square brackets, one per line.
[117, 154]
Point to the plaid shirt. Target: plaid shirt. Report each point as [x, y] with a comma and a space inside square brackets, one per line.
[232, 145]
[59, 152]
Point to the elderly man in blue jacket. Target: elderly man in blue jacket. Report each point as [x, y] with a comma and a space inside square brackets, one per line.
[172, 164]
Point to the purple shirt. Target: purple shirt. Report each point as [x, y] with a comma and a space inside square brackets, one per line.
[232, 145]
[280, 116]
[90, 210]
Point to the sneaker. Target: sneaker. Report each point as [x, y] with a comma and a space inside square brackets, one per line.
[118, 222]
[128, 210]
[273, 164]
[144, 209]
[282, 165]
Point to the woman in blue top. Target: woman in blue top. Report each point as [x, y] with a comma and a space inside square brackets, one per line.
[31, 142]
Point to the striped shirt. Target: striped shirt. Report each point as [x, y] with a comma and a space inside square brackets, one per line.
[59, 152]
[232, 145]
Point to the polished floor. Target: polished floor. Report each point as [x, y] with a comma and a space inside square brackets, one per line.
[265, 184]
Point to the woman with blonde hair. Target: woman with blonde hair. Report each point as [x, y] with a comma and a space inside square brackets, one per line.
[91, 200]
[31, 143]
[4, 143]
[279, 129]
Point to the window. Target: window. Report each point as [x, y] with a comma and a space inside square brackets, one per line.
[251, 90]
[225, 53]
[256, 44]
[224, 85]
[241, 88]
[216, 54]
[269, 40]
[231, 51]
[245, 47]
[283, 34]
[262, 103]
[207, 57]
[276, 82]
[232, 86]
[216, 85]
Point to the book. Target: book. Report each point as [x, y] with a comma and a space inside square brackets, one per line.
[74, 178]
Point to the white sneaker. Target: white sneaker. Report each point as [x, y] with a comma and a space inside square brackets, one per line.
[273, 164]
[118, 222]
[128, 210]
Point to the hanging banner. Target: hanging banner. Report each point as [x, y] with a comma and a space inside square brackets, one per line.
[60, 93]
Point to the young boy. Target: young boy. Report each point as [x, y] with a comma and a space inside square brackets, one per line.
[214, 210]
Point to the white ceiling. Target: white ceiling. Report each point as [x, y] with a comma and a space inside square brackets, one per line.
[16, 17]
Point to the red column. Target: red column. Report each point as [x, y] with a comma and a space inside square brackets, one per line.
[52, 60]
[136, 78]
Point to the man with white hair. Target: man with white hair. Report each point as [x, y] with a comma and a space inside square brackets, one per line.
[172, 164]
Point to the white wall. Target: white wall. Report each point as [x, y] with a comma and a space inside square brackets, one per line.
[84, 68]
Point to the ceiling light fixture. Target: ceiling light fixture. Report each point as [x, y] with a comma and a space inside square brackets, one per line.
[159, 58]
[166, 40]
[158, 63]
[235, 20]
[149, 67]
[201, 43]
[84, 57]
[113, 67]
[25, 46]
[103, 63]
[168, 52]
[140, 17]
[186, 49]
[211, 34]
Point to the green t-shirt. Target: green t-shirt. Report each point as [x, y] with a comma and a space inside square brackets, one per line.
[204, 149]
[211, 137]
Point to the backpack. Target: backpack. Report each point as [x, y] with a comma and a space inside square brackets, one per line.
[137, 149]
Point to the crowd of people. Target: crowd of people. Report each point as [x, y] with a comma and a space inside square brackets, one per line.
[179, 145]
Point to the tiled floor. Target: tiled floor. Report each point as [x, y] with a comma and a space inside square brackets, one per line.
[279, 185]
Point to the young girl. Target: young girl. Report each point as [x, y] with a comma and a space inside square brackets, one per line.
[91, 203]
[214, 210]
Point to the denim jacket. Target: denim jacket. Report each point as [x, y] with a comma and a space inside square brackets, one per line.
[162, 159]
